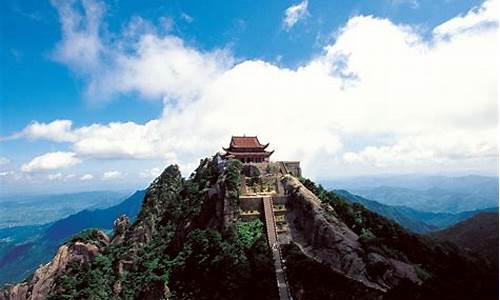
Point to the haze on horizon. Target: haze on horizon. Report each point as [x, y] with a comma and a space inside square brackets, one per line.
[102, 96]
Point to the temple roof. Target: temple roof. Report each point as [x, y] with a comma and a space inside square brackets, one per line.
[246, 142]
[249, 154]
[247, 149]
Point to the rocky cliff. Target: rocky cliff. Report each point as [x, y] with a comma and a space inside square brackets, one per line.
[188, 242]
[321, 236]
[80, 251]
[137, 261]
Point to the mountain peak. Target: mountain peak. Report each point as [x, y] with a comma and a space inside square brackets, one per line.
[231, 227]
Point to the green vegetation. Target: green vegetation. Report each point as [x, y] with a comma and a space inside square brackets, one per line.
[85, 282]
[313, 280]
[422, 273]
[251, 171]
[271, 168]
[86, 236]
[450, 275]
[195, 260]
[479, 235]
[375, 231]
[232, 177]
[234, 265]
[249, 232]
[280, 218]
[261, 184]
[366, 235]
[181, 247]
[249, 212]
[279, 207]
[32, 246]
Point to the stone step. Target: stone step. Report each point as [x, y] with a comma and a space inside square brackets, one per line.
[271, 232]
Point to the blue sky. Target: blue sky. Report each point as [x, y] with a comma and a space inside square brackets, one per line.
[82, 75]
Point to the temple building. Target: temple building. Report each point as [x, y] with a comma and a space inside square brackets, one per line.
[247, 149]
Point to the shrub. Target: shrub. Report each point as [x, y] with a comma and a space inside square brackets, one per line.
[366, 235]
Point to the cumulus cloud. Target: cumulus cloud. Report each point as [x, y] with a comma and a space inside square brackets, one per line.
[58, 130]
[476, 19]
[111, 175]
[160, 65]
[294, 14]
[430, 150]
[379, 96]
[51, 161]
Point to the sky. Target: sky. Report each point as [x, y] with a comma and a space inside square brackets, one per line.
[105, 94]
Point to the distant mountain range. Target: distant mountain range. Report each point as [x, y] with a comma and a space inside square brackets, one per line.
[478, 234]
[190, 241]
[437, 194]
[412, 219]
[24, 248]
[41, 209]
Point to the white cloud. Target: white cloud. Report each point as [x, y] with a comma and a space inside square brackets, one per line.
[58, 130]
[81, 46]
[150, 173]
[476, 19]
[160, 65]
[119, 140]
[111, 175]
[295, 13]
[11, 176]
[86, 177]
[51, 161]
[55, 176]
[69, 177]
[4, 160]
[431, 150]
[433, 101]
[6, 173]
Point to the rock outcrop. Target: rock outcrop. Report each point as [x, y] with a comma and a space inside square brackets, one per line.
[161, 196]
[120, 226]
[141, 257]
[323, 237]
[76, 252]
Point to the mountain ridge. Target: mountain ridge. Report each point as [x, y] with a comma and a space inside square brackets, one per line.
[22, 210]
[425, 193]
[41, 243]
[412, 219]
[478, 234]
[190, 242]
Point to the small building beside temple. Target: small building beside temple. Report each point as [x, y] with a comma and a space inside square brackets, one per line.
[247, 149]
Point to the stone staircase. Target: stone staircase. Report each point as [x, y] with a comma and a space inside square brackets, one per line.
[271, 232]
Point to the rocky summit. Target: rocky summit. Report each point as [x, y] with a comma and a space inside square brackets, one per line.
[254, 230]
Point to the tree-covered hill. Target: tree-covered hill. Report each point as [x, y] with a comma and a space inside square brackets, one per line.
[414, 220]
[189, 242]
[478, 235]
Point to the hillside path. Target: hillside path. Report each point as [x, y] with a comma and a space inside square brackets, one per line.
[275, 248]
